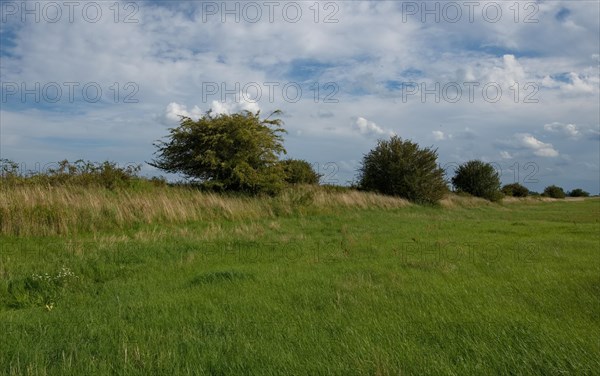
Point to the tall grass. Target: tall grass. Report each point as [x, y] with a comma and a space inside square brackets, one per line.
[488, 290]
[67, 210]
[42, 210]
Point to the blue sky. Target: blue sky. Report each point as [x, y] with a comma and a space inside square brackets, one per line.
[108, 89]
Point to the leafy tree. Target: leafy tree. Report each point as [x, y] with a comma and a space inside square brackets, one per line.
[298, 171]
[578, 192]
[479, 179]
[238, 152]
[401, 168]
[515, 190]
[554, 192]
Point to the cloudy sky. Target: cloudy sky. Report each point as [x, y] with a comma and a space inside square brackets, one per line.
[516, 84]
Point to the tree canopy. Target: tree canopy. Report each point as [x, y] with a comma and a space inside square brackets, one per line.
[401, 168]
[479, 179]
[237, 152]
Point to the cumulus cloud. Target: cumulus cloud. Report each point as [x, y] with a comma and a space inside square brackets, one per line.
[505, 155]
[172, 52]
[369, 128]
[175, 110]
[539, 148]
[227, 108]
[569, 130]
[578, 84]
[438, 135]
[511, 71]
[573, 84]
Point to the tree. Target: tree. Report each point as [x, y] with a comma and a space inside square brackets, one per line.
[578, 192]
[238, 152]
[298, 171]
[479, 179]
[401, 168]
[515, 190]
[554, 192]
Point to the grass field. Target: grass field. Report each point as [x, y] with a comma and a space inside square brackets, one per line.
[313, 282]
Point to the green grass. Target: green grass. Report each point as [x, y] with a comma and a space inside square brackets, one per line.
[490, 289]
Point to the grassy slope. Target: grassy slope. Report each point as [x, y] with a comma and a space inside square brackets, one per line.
[488, 289]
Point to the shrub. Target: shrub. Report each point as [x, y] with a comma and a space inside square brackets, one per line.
[554, 192]
[299, 172]
[401, 168]
[479, 179]
[515, 190]
[238, 152]
[578, 192]
[81, 173]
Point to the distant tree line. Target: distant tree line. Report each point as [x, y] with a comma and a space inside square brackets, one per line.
[81, 173]
[241, 153]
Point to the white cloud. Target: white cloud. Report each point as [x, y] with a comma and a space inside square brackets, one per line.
[505, 155]
[174, 111]
[171, 52]
[549, 82]
[227, 108]
[438, 135]
[539, 148]
[511, 71]
[569, 130]
[369, 128]
[578, 84]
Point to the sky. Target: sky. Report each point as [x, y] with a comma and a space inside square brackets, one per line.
[515, 84]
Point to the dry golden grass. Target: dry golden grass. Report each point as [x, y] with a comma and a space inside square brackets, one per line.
[67, 210]
[453, 201]
[358, 199]
[529, 199]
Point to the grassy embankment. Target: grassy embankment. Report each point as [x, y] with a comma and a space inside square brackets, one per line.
[166, 280]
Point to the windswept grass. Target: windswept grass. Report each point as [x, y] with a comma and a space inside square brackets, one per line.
[340, 286]
[317, 280]
[69, 210]
[40, 210]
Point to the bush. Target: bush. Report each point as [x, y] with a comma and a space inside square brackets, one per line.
[479, 179]
[515, 190]
[299, 172]
[106, 174]
[401, 168]
[554, 192]
[578, 192]
[238, 152]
